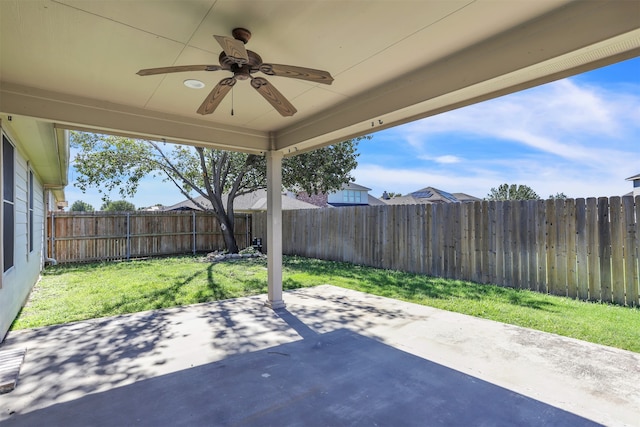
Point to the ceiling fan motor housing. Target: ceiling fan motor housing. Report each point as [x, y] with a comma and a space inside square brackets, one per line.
[241, 72]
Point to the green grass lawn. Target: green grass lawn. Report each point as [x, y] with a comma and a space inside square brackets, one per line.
[69, 293]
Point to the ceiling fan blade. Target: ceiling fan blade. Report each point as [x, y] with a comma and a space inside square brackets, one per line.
[302, 73]
[178, 69]
[234, 49]
[214, 98]
[275, 98]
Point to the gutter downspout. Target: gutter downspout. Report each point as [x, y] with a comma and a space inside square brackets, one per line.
[47, 204]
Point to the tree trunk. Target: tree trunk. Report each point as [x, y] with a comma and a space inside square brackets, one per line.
[229, 236]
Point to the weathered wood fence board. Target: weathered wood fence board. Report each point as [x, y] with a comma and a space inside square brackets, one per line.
[583, 248]
[93, 236]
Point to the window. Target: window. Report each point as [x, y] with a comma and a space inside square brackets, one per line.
[30, 211]
[7, 203]
[351, 196]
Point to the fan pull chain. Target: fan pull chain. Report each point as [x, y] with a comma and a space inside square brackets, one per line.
[232, 100]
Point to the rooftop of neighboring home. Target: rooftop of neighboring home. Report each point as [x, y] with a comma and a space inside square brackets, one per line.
[429, 195]
[351, 194]
[251, 202]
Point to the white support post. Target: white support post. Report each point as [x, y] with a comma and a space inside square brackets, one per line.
[274, 229]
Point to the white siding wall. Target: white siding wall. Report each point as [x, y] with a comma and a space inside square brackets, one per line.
[18, 281]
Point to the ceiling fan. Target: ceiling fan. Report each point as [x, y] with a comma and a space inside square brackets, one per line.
[243, 63]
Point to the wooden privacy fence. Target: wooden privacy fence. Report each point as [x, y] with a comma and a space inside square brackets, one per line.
[91, 236]
[586, 249]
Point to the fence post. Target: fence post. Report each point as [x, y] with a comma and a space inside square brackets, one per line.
[128, 237]
[193, 216]
[246, 227]
[53, 235]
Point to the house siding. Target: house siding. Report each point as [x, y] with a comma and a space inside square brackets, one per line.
[18, 280]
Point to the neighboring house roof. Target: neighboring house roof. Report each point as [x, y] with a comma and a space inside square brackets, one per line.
[464, 197]
[374, 201]
[322, 200]
[430, 195]
[633, 178]
[255, 201]
[434, 195]
[354, 186]
[319, 200]
[404, 200]
[155, 208]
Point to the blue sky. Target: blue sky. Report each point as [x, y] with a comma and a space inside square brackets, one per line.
[579, 136]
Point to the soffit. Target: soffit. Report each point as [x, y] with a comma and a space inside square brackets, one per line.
[73, 62]
[45, 148]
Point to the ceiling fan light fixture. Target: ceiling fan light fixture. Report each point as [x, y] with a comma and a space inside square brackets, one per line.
[243, 63]
[193, 84]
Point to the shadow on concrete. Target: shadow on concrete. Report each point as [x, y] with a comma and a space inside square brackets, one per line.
[337, 378]
[109, 347]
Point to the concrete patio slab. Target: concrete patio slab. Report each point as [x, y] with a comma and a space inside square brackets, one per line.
[333, 357]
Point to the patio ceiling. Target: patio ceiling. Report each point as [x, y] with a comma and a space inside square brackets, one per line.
[73, 63]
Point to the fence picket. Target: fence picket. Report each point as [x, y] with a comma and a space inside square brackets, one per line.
[428, 226]
[532, 279]
[492, 239]
[581, 250]
[604, 236]
[630, 252]
[552, 243]
[617, 257]
[560, 287]
[572, 256]
[593, 245]
[516, 244]
[479, 240]
[541, 252]
[499, 242]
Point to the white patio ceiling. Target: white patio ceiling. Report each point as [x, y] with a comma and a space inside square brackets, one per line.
[73, 63]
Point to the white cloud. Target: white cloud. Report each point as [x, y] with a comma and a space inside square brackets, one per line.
[446, 159]
[558, 106]
[561, 113]
[562, 137]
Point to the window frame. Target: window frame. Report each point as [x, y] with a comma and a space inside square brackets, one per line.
[8, 204]
[30, 211]
[352, 196]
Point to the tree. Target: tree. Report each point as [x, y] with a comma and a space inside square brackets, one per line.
[80, 206]
[558, 196]
[118, 206]
[109, 162]
[512, 192]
